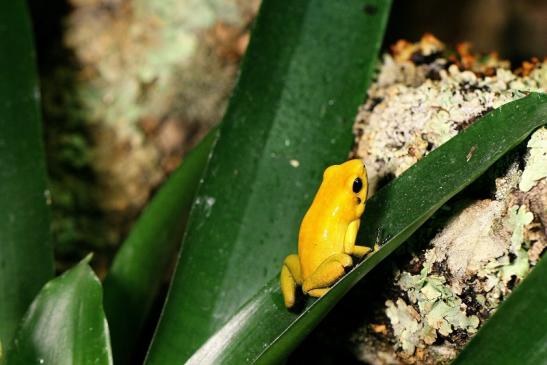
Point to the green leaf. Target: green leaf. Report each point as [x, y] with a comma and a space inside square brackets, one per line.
[65, 323]
[305, 73]
[263, 331]
[139, 266]
[26, 258]
[517, 332]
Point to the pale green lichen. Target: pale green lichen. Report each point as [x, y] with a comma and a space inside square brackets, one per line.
[516, 220]
[404, 320]
[518, 268]
[407, 115]
[440, 311]
[469, 241]
[137, 58]
[536, 164]
[149, 79]
[508, 183]
[469, 246]
[484, 249]
[497, 273]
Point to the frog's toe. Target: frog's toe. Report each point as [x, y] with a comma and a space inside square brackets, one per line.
[344, 259]
[288, 287]
[290, 278]
[360, 251]
[318, 293]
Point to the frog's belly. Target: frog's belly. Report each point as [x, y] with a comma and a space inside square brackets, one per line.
[313, 255]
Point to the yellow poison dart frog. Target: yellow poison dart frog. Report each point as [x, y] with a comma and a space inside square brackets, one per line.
[326, 242]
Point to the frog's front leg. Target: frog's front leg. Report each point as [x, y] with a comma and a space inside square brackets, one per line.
[290, 277]
[350, 247]
[326, 274]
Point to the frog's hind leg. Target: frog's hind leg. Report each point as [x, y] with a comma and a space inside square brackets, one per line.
[290, 277]
[326, 274]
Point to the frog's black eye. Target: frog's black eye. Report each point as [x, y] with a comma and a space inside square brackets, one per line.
[357, 185]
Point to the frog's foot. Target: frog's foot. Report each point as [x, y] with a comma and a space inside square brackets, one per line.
[360, 251]
[318, 293]
[330, 270]
[290, 278]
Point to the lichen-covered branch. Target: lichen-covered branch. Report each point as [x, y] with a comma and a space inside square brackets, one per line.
[451, 283]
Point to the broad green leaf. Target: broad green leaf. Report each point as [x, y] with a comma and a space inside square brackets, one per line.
[264, 331]
[305, 73]
[517, 332]
[26, 257]
[139, 266]
[65, 323]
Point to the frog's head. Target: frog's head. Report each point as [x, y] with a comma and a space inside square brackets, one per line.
[349, 182]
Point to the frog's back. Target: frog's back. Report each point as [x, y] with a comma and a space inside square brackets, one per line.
[321, 235]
